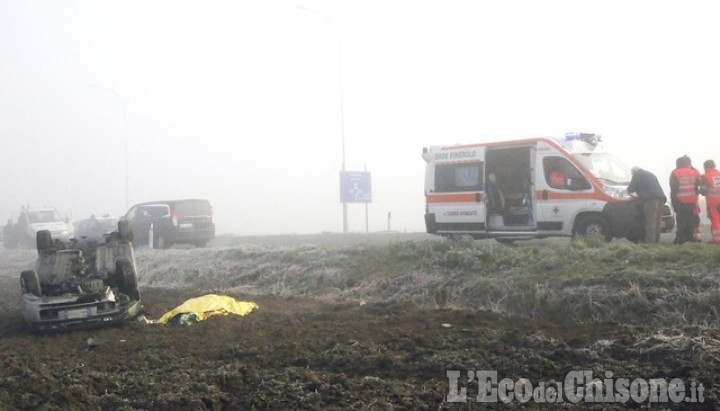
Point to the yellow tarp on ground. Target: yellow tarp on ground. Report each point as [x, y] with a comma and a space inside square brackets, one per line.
[209, 305]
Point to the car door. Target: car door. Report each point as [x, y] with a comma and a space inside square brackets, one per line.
[457, 199]
[561, 185]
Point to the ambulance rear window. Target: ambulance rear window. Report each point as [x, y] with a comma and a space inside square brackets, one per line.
[459, 177]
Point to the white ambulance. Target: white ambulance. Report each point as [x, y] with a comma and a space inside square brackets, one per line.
[531, 188]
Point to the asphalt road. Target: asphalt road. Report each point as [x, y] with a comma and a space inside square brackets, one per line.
[346, 239]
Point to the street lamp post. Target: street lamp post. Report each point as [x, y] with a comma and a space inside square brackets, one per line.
[123, 102]
[342, 109]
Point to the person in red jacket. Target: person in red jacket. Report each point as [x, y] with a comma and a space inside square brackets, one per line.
[710, 188]
[684, 181]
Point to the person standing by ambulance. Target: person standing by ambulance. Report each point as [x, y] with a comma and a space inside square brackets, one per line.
[652, 198]
[710, 188]
[684, 181]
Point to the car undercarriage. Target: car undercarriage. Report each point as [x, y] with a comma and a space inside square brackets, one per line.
[81, 283]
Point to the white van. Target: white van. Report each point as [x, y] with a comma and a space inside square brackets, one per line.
[531, 188]
[32, 220]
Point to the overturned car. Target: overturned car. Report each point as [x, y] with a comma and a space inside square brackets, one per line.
[81, 282]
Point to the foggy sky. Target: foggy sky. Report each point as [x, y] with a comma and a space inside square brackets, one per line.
[240, 102]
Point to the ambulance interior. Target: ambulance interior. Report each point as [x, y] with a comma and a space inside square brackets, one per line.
[509, 189]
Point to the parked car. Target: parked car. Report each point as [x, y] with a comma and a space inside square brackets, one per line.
[95, 228]
[81, 283]
[188, 221]
[33, 220]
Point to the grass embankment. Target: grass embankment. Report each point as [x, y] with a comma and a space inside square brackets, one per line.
[580, 281]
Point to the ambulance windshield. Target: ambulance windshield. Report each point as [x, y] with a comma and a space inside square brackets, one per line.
[606, 167]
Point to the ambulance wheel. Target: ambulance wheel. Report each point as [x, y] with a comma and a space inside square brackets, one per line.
[458, 237]
[30, 283]
[594, 226]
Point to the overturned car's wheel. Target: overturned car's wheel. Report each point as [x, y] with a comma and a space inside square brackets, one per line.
[44, 242]
[30, 283]
[125, 231]
[127, 278]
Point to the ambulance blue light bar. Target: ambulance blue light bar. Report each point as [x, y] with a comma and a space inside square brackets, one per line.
[589, 138]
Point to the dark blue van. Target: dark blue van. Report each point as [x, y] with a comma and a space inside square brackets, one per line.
[188, 221]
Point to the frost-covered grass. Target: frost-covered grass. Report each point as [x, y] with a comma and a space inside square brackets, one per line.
[577, 281]
[580, 281]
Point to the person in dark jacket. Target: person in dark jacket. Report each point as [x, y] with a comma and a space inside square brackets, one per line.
[652, 198]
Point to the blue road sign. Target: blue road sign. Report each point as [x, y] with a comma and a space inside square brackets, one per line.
[355, 187]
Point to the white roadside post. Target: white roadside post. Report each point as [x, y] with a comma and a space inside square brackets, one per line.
[151, 236]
